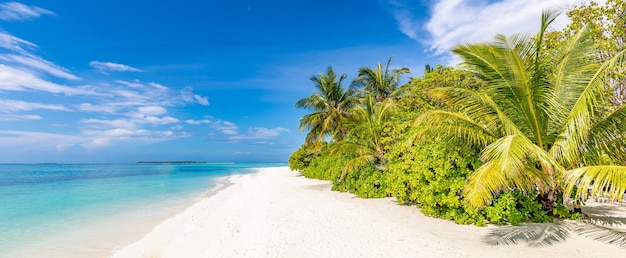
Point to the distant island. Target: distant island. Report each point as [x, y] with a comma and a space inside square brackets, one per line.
[174, 162]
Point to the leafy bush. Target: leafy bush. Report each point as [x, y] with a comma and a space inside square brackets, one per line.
[560, 211]
[325, 166]
[302, 157]
[432, 175]
[367, 182]
[516, 207]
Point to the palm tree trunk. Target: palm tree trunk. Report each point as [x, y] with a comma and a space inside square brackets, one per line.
[548, 199]
[380, 155]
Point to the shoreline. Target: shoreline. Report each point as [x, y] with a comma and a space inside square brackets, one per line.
[89, 234]
[276, 212]
[220, 183]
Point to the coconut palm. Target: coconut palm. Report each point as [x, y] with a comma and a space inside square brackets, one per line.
[367, 123]
[331, 104]
[382, 83]
[538, 118]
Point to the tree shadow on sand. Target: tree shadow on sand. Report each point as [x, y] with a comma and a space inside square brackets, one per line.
[610, 229]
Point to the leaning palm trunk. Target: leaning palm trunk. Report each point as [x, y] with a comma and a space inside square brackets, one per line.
[538, 119]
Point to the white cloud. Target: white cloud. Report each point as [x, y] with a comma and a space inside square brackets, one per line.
[231, 131]
[152, 110]
[14, 11]
[225, 127]
[16, 44]
[158, 120]
[15, 79]
[117, 123]
[188, 96]
[24, 141]
[63, 146]
[458, 21]
[259, 133]
[157, 86]
[8, 105]
[198, 122]
[124, 126]
[112, 67]
[97, 143]
[128, 111]
[98, 138]
[134, 84]
[88, 107]
[39, 64]
[12, 117]
[201, 100]
[143, 94]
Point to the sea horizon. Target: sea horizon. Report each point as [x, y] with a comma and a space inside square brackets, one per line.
[140, 162]
[58, 210]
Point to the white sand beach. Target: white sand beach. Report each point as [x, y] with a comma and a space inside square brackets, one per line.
[278, 213]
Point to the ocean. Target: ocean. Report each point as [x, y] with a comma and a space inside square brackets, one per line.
[91, 210]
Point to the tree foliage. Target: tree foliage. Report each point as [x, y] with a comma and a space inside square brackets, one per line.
[525, 121]
[366, 144]
[322, 166]
[382, 83]
[432, 174]
[606, 25]
[537, 121]
[330, 105]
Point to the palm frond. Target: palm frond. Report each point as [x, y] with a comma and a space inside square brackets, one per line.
[356, 163]
[574, 68]
[509, 82]
[446, 124]
[478, 106]
[604, 180]
[381, 82]
[514, 155]
[608, 137]
[509, 164]
[574, 131]
[483, 183]
[331, 104]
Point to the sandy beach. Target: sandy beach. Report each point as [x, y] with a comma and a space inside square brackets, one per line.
[278, 213]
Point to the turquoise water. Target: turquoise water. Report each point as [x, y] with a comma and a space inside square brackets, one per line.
[45, 208]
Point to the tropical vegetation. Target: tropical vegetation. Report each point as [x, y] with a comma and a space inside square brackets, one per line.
[331, 104]
[381, 83]
[522, 128]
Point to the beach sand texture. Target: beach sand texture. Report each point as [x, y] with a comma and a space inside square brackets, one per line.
[278, 213]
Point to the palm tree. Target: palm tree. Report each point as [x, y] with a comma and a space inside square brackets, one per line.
[367, 123]
[382, 83]
[538, 118]
[330, 105]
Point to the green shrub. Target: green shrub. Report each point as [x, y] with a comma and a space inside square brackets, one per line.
[515, 207]
[432, 174]
[365, 182]
[302, 157]
[560, 211]
[325, 166]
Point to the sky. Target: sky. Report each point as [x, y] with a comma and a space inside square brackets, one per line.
[117, 81]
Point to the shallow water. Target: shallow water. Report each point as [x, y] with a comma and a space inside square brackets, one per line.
[91, 210]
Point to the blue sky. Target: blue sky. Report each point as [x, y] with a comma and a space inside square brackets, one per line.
[126, 81]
